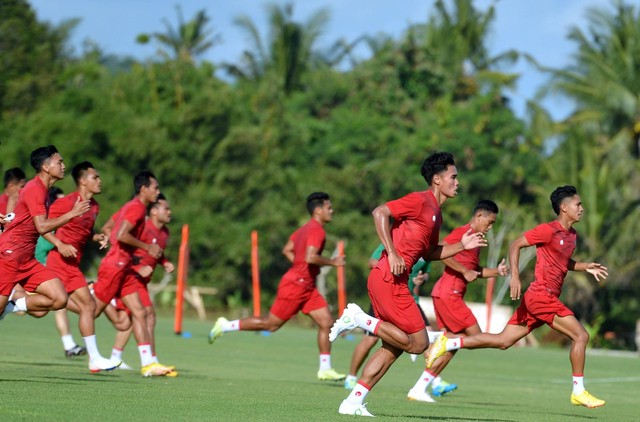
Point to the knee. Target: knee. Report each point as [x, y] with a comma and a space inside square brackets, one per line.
[582, 337]
[418, 347]
[59, 302]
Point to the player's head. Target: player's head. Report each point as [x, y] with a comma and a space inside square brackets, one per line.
[48, 160]
[85, 174]
[146, 185]
[160, 210]
[14, 178]
[439, 170]
[485, 214]
[319, 203]
[565, 199]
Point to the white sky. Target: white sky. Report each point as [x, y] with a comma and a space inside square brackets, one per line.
[537, 27]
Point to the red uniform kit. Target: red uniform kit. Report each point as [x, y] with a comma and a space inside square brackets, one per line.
[448, 293]
[554, 247]
[76, 233]
[297, 290]
[18, 243]
[415, 230]
[112, 280]
[141, 258]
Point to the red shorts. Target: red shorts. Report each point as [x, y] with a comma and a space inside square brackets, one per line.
[113, 281]
[538, 309]
[452, 314]
[141, 288]
[294, 296]
[394, 303]
[30, 274]
[67, 270]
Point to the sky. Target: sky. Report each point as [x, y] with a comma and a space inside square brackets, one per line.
[538, 28]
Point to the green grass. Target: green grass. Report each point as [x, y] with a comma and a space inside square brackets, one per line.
[251, 377]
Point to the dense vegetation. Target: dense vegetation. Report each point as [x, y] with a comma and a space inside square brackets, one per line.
[242, 155]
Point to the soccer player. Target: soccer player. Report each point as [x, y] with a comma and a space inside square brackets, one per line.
[452, 313]
[43, 247]
[155, 231]
[555, 242]
[297, 290]
[14, 181]
[17, 262]
[64, 260]
[419, 275]
[114, 269]
[414, 234]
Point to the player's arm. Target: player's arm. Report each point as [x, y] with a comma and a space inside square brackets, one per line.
[313, 257]
[107, 228]
[381, 217]
[468, 274]
[65, 249]
[46, 225]
[469, 240]
[124, 235]
[287, 251]
[593, 268]
[514, 260]
[501, 270]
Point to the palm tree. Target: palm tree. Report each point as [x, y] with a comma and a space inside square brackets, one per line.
[289, 52]
[188, 40]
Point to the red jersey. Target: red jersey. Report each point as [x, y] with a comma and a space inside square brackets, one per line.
[77, 231]
[311, 234]
[415, 230]
[554, 247]
[134, 212]
[453, 282]
[4, 201]
[151, 234]
[18, 242]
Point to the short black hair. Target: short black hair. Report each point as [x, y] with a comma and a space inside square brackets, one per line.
[52, 195]
[560, 194]
[315, 200]
[40, 155]
[486, 205]
[13, 175]
[152, 205]
[142, 179]
[436, 163]
[80, 169]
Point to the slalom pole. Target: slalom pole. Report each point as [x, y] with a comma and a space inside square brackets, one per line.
[255, 273]
[183, 263]
[491, 281]
[342, 291]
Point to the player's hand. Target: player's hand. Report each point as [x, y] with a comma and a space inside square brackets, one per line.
[80, 207]
[419, 279]
[145, 271]
[102, 239]
[396, 264]
[67, 250]
[169, 267]
[516, 288]
[473, 240]
[503, 268]
[597, 270]
[338, 260]
[154, 250]
[470, 275]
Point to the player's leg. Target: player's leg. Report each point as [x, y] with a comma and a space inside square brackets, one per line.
[50, 296]
[374, 369]
[571, 327]
[71, 348]
[360, 353]
[323, 319]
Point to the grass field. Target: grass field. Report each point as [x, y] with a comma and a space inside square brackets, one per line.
[252, 377]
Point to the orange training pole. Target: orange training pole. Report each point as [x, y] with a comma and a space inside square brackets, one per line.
[342, 291]
[491, 281]
[183, 263]
[255, 273]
